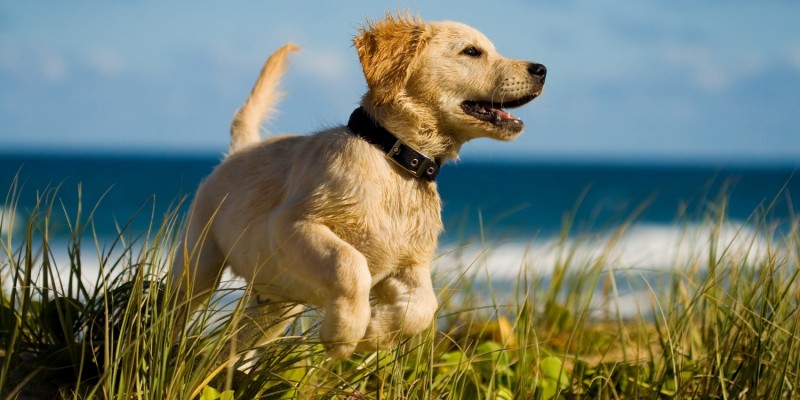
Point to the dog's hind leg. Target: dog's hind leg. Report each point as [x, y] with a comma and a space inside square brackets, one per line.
[196, 270]
[262, 321]
[406, 304]
[197, 278]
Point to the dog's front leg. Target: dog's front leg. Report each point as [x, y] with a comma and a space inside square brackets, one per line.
[406, 304]
[313, 254]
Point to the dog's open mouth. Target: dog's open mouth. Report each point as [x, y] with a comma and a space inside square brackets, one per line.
[494, 113]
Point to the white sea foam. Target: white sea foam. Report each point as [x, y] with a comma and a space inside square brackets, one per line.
[94, 264]
[640, 246]
[640, 250]
[645, 247]
[8, 219]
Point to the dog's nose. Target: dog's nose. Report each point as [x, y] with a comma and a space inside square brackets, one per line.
[537, 70]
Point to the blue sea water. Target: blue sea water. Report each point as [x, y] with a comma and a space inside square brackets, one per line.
[490, 200]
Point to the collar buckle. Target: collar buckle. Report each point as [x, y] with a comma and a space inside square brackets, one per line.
[412, 161]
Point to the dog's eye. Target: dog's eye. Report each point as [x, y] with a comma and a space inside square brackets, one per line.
[471, 51]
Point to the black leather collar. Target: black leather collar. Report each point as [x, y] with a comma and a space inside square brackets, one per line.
[410, 160]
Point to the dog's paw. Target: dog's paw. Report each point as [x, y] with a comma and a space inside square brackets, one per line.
[340, 337]
[340, 343]
[344, 325]
[339, 351]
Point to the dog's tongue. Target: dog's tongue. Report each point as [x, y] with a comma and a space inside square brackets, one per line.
[499, 112]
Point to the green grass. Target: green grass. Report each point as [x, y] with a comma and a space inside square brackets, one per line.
[723, 325]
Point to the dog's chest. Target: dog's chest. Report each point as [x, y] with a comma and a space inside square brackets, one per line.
[415, 218]
[400, 227]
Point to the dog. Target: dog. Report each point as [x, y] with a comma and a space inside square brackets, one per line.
[348, 219]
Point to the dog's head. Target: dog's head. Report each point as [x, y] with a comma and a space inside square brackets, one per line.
[449, 71]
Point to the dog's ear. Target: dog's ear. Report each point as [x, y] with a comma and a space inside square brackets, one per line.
[387, 50]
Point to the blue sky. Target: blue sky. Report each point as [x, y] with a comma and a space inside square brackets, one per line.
[628, 80]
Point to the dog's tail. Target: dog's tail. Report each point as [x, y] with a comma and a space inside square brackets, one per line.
[247, 121]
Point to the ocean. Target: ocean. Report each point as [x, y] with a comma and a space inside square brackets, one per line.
[502, 216]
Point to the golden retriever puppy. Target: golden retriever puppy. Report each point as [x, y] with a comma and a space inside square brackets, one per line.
[348, 219]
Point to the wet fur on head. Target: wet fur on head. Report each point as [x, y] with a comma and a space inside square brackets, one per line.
[425, 88]
[388, 50]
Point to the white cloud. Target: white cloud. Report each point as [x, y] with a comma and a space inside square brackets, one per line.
[25, 60]
[708, 68]
[328, 65]
[794, 58]
[104, 62]
[10, 57]
[51, 65]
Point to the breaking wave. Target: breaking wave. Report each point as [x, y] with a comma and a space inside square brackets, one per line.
[653, 247]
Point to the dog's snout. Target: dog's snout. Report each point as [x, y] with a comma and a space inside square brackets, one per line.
[537, 70]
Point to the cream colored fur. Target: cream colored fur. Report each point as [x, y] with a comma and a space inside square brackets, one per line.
[325, 219]
[262, 100]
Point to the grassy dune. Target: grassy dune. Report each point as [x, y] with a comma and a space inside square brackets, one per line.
[723, 325]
